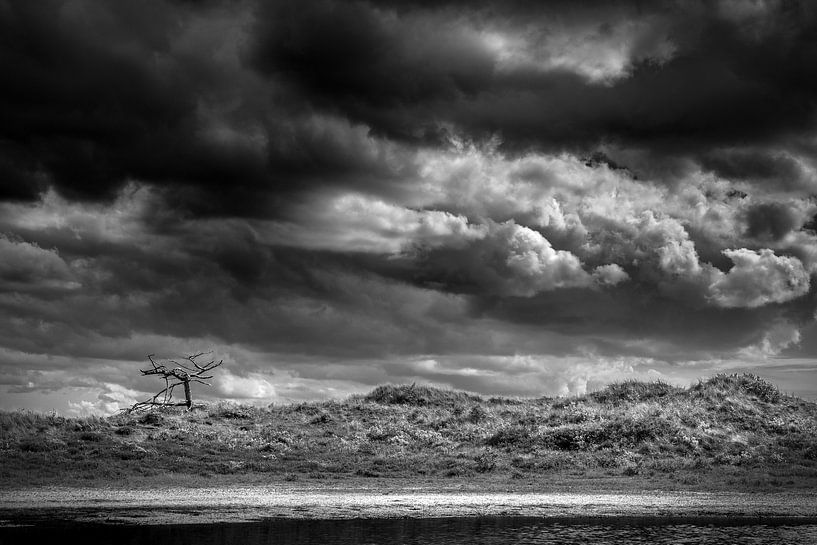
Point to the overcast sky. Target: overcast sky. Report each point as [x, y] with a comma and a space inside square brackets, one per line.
[505, 197]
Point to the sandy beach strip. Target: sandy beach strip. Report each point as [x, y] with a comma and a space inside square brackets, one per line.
[233, 504]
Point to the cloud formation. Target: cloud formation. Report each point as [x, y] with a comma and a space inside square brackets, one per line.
[25, 266]
[759, 278]
[505, 197]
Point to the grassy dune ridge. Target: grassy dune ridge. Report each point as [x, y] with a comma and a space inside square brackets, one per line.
[730, 430]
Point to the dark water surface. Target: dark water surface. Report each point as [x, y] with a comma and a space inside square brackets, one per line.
[455, 531]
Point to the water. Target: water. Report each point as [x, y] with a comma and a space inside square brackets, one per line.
[453, 531]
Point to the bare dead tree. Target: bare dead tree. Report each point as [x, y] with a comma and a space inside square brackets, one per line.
[176, 374]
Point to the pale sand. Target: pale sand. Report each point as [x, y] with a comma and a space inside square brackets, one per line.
[231, 504]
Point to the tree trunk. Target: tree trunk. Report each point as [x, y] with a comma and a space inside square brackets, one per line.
[187, 394]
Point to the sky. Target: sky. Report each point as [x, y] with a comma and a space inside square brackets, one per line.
[506, 197]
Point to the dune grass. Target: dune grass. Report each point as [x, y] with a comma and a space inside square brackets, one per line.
[727, 431]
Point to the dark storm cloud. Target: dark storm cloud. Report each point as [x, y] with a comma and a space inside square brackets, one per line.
[729, 76]
[355, 52]
[79, 90]
[773, 220]
[100, 94]
[760, 166]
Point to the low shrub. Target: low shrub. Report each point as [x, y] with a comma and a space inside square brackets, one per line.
[633, 391]
[322, 418]
[745, 383]
[477, 414]
[569, 437]
[91, 436]
[512, 436]
[486, 462]
[630, 470]
[418, 395]
[35, 445]
[151, 418]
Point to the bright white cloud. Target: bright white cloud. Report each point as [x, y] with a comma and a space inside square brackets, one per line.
[610, 275]
[112, 399]
[759, 278]
[251, 386]
[530, 264]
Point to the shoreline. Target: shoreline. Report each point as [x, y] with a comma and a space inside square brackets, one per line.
[180, 505]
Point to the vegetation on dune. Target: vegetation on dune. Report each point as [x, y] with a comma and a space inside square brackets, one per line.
[634, 391]
[739, 426]
[419, 396]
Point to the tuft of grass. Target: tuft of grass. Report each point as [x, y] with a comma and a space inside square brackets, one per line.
[23, 421]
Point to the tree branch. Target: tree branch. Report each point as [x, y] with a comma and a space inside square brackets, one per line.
[182, 374]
